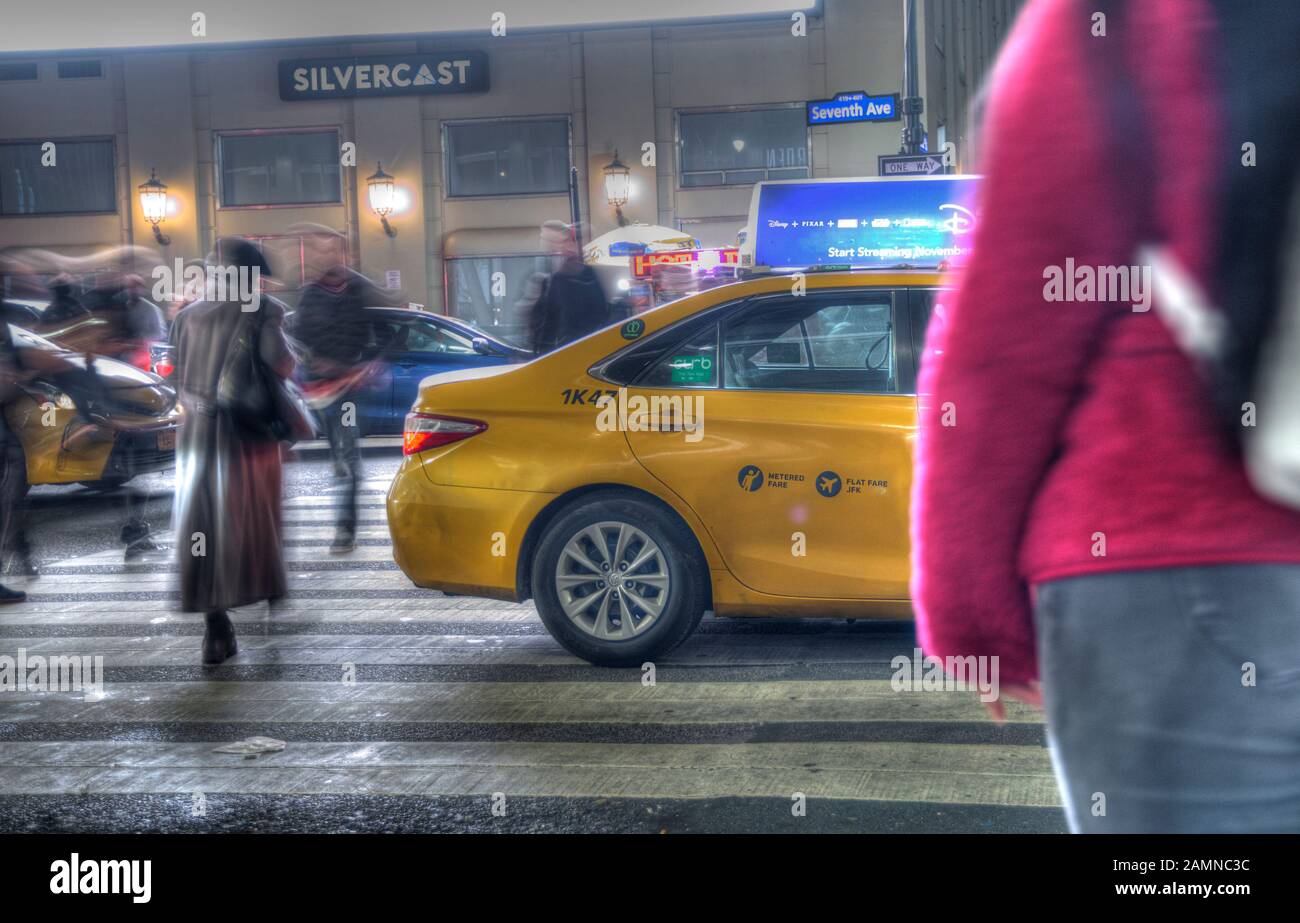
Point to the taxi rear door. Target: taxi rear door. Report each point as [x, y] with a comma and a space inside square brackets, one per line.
[787, 426]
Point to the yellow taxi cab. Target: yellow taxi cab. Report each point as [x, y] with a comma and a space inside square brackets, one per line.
[746, 450]
[98, 426]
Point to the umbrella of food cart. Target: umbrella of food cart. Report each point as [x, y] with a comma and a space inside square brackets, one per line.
[611, 253]
[616, 247]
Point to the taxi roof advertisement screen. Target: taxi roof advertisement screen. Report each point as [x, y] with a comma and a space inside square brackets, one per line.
[865, 224]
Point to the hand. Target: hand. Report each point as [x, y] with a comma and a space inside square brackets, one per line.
[1031, 694]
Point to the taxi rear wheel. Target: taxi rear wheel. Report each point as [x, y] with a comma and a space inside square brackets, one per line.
[618, 581]
[104, 483]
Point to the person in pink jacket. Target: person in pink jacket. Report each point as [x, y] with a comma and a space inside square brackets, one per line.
[1078, 510]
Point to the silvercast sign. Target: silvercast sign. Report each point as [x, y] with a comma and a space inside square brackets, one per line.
[384, 75]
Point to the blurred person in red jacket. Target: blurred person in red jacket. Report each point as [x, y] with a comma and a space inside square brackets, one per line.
[1081, 510]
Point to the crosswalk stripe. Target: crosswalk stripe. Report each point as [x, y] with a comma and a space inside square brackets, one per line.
[91, 584]
[312, 517]
[296, 557]
[333, 623]
[323, 531]
[110, 565]
[947, 773]
[292, 607]
[369, 502]
[549, 703]
[434, 649]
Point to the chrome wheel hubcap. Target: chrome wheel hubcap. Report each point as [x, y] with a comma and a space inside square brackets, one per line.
[612, 581]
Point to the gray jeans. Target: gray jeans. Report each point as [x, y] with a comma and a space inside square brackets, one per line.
[1173, 698]
[345, 449]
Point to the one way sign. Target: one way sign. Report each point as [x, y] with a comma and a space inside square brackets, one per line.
[909, 164]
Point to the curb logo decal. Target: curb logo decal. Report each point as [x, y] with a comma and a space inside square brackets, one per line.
[633, 329]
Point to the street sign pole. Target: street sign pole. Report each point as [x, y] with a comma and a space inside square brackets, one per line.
[575, 208]
[913, 104]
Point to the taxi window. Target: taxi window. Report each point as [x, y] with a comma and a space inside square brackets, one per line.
[786, 351]
[632, 364]
[692, 363]
[832, 343]
[851, 336]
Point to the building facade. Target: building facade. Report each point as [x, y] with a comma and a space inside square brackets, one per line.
[253, 139]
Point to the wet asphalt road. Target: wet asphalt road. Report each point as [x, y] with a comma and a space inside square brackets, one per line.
[458, 701]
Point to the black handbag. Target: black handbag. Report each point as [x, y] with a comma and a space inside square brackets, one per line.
[255, 398]
[293, 420]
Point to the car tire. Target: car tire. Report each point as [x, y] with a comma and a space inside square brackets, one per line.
[670, 586]
[104, 483]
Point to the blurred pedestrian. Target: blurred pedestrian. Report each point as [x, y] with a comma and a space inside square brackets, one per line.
[191, 288]
[132, 325]
[342, 354]
[1078, 511]
[15, 505]
[18, 366]
[228, 470]
[145, 324]
[64, 306]
[13, 480]
[571, 303]
[132, 322]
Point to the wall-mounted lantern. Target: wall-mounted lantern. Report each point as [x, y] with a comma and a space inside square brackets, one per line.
[383, 196]
[153, 202]
[618, 185]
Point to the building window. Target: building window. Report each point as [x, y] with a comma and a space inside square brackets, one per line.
[80, 68]
[286, 255]
[742, 146]
[18, 70]
[503, 313]
[71, 177]
[507, 157]
[279, 168]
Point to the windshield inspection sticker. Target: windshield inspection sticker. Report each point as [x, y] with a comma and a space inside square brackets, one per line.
[692, 370]
[633, 329]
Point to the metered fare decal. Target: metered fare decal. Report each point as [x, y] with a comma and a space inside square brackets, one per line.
[384, 75]
[827, 483]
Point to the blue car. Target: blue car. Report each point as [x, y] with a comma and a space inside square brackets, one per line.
[419, 344]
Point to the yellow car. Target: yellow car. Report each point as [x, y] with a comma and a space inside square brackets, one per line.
[746, 450]
[98, 429]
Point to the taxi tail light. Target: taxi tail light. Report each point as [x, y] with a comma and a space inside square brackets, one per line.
[141, 359]
[427, 431]
[163, 368]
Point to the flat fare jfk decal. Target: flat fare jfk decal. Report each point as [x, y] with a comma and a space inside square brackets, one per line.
[752, 478]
